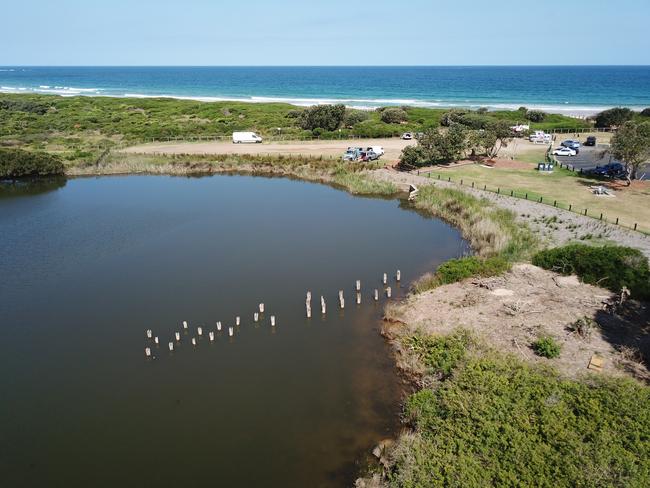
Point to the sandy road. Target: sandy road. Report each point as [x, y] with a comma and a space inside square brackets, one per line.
[393, 147]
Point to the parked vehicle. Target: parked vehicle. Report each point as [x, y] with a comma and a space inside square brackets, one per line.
[564, 151]
[540, 137]
[571, 144]
[369, 156]
[378, 150]
[611, 170]
[352, 154]
[245, 137]
[407, 136]
[591, 141]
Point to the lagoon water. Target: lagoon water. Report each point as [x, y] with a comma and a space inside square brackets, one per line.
[88, 265]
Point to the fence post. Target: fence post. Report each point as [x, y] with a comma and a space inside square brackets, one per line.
[601, 216]
[570, 205]
[526, 196]
[616, 220]
[498, 191]
[555, 203]
[635, 226]
[540, 199]
[585, 211]
[472, 184]
[484, 187]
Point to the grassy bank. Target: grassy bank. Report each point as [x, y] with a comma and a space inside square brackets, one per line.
[351, 177]
[80, 128]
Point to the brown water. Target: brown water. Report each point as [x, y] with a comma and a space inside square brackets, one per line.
[91, 264]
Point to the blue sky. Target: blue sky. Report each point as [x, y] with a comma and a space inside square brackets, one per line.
[335, 32]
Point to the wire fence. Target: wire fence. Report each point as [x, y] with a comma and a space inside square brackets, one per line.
[307, 137]
[540, 199]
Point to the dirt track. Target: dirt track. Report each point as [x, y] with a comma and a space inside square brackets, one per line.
[392, 146]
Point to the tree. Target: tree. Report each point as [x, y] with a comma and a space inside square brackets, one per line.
[645, 112]
[444, 146]
[631, 145]
[414, 156]
[393, 115]
[326, 117]
[614, 117]
[502, 137]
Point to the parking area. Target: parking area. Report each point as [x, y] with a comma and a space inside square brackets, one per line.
[588, 158]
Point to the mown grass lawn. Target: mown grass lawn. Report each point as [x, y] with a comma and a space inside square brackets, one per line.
[630, 204]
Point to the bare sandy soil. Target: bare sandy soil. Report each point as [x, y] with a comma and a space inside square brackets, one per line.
[510, 312]
[392, 146]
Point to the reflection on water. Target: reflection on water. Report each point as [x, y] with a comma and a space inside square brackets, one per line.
[30, 186]
[88, 268]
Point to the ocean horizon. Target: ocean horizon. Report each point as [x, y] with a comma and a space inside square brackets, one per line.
[570, 90]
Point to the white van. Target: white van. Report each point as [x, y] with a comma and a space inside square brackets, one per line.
[245, 137]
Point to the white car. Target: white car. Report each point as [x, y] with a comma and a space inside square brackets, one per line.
[407, 136]
[564, 151]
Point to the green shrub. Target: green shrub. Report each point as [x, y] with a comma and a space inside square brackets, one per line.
[612, 267]
[645, 112]
[456, 270]
[16, 163]
[499, 422]
[614, 117]
[325, 117]
[393, 115]
[27, 106]
[353, 117]
[546, 347]
[535, 115]
[441, 354]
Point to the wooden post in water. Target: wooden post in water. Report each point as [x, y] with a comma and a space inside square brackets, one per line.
[194, 341]
[358, 298]
[171, 346]
[184, 324]
[155, 339]
[322, 305]
[211, 334]
[237, 320]
[341, 299]
[385, 280]
[389, 292]
[178, 336]
[256, 317]
[200, 331]
[149, 333]
[398, 275]
[376, 295]
[219, 326]
[358, 284]
[272, 320]
[147, 352]
[231, 331]
[261, 308]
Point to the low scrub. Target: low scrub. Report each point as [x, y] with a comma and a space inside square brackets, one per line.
[498, 422]
[547, 347]
[456, 270]
[612, 267]
[440, 354]
[16, 163]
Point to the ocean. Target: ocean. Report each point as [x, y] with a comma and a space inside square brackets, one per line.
[577, 90]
